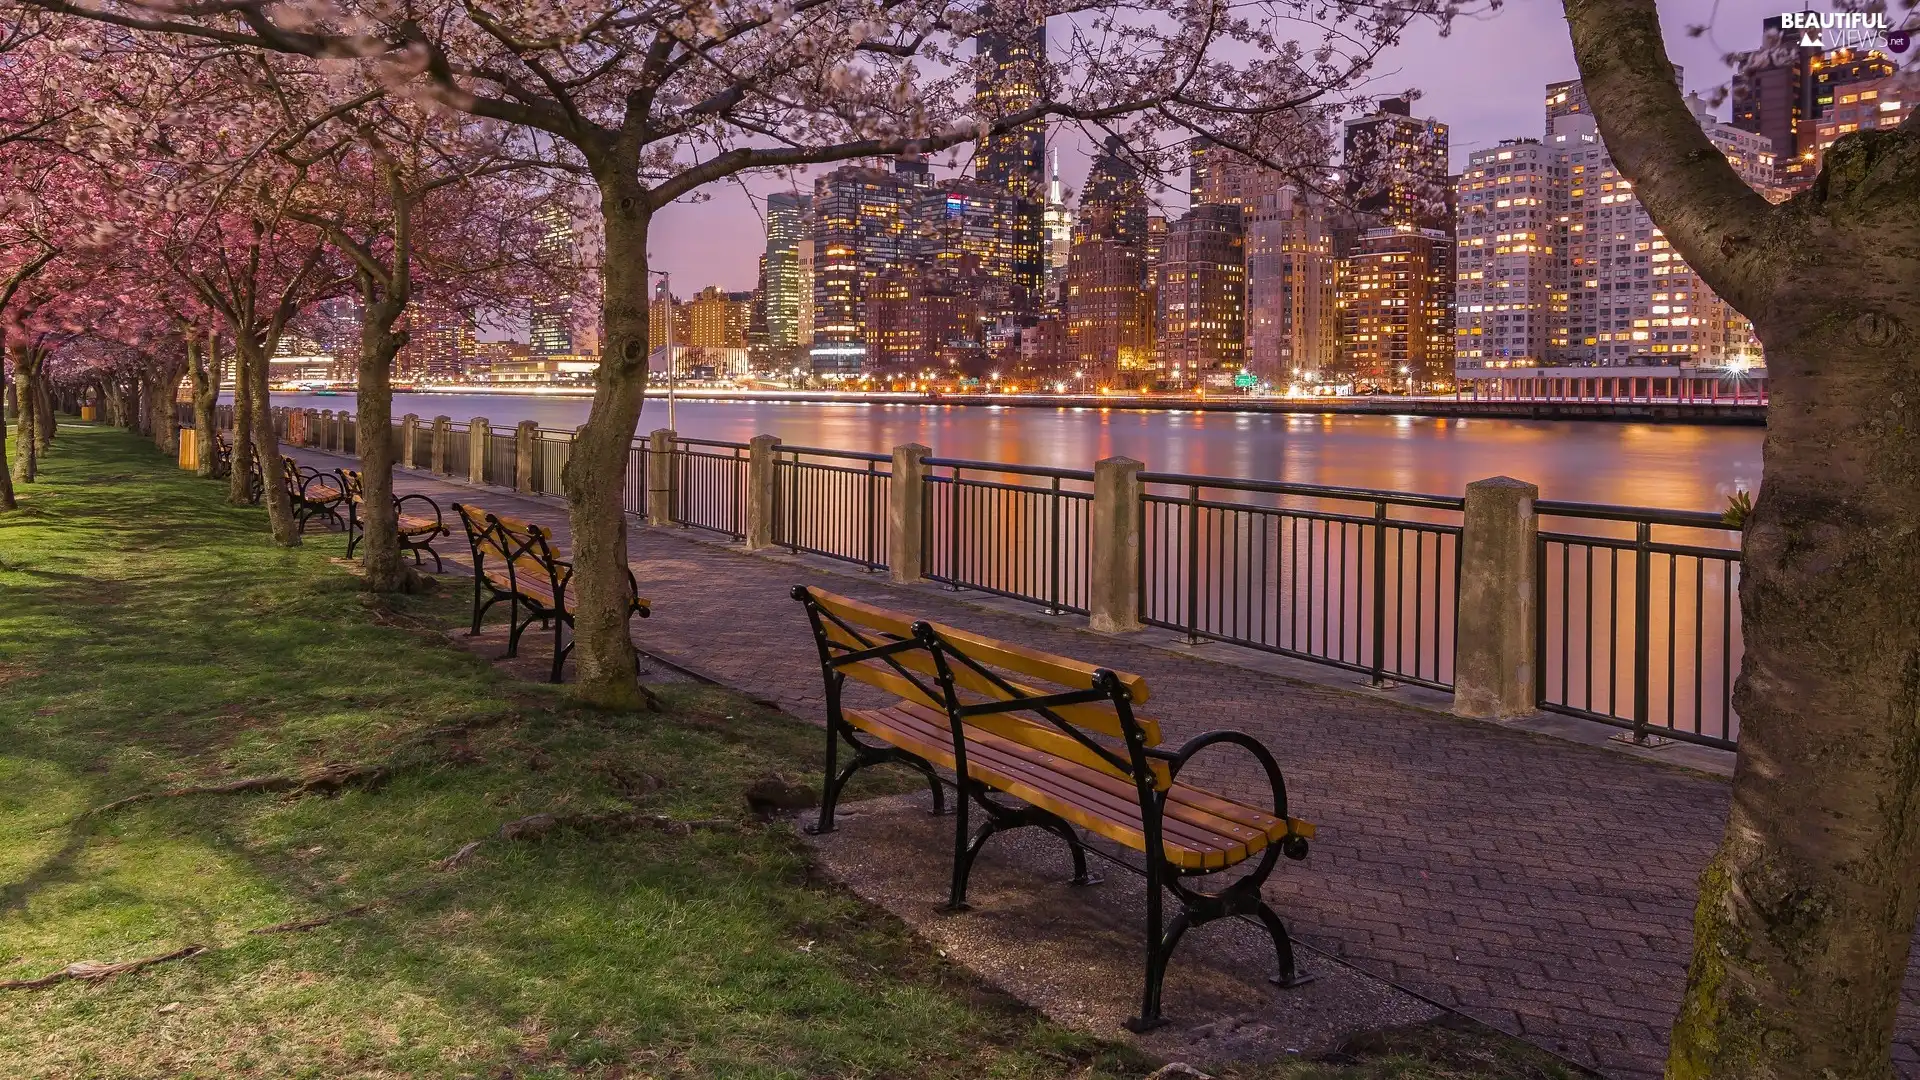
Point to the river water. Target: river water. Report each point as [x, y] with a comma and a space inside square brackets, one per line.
[1678, 467]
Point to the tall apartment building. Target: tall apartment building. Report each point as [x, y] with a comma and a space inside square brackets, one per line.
[560, 325]
[1109, 319]
[925, 318]
[1397, 178]
[1784, 89]
[862, 225]
[1011, 80]
[789, 218]
[1395, 289]
[1292, 316]
[1201, 331]
[441, 341]
[1510, 233]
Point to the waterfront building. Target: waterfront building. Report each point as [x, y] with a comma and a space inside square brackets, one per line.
[563, 326]
[1396, 166]
[1510, 236]
[785, 285]
[965, 226]
[861, 226]
[1394, 291]
[1109, 325]
[1292, 313]
[1013, 72]
[922, 318]
[1201, 324]
[716, 320]
[441, 341]
[1785, 89]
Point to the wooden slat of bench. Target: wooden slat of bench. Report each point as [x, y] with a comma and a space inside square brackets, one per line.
[1200, 830]
[411, 524]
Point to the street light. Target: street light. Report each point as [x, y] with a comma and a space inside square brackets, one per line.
[666, 285]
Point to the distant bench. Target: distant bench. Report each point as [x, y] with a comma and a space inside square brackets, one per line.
[514, 560]
[313, 494]
[416, 518]
[1062, 737]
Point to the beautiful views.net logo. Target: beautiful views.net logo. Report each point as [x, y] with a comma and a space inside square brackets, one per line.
[1845, 30]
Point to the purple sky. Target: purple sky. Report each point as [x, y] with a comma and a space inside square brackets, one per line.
[1485, 81]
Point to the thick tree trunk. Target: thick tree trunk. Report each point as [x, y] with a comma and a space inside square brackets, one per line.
[1806, 915]
[595, 473]
[380, 541]
[6, 393]
[266, 446]
[203, 365]
[240, 480]
[26, 443]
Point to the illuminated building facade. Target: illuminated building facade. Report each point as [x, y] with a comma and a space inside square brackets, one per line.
[1873, 105]
[1292, 304]
[1109, 321]
[1058, 222]
[1201, 325]
[862, 220]
[1396, 166]
[966, 222]
[1394, 291]
[1509, 297]
[922, 319]
[1784, 90]
[561, 327]
[1012, 79]
[784, 288]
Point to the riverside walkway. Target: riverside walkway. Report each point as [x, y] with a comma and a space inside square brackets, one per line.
[1540, 885]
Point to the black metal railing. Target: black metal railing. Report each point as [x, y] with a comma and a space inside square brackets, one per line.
[1638, 620]
[710, 486]
[833, 503]
[1364, 580]
[459, 453]
[503, 455]
[1012, 530]
[634, 497]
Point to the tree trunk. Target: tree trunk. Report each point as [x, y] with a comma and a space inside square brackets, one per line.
[6, 393]
[203, 365]
[595, 473]
[379, 537]
[26, 457]
[1806, 915]
[240, 480]
[165, 389]
[47, 425]
[266, 446]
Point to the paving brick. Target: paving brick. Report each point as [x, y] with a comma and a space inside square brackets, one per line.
[1563, 875]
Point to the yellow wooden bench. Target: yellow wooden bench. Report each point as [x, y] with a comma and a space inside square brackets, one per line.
[1060, 736]
[514, 560]
[416, 519]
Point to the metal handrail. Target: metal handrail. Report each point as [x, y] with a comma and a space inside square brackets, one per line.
[1313, 491]
[1008, 467]
[1684, 519]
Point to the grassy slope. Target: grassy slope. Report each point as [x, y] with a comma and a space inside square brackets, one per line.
[150, 636]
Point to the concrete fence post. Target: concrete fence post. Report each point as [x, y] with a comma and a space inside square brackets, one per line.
[323, 431]
[479, 433]
[409, 441]
[309, 421]
[1113, 606]
[1494, 661]
[762, 491]
[907, 512]
[526, 443]
[437, 444]
[660, 476]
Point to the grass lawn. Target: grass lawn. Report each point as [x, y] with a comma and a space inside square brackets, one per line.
[152, 638]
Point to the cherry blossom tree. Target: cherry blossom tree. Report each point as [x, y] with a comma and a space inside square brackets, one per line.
[658, 100]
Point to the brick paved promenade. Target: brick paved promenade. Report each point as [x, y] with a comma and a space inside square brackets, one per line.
[1542, 886]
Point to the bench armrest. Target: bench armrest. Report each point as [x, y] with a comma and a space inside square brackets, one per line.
[1294, 844]
[400, 502]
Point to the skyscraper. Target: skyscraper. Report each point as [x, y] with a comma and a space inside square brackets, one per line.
[861, 226]
[966, 221]
[1202, 297]
[1012, 79]
[1059, 228]
[1109, 313]
[551, 322]
[1292, 315]
[788, 218]
[1394, 290]
[1397, 178]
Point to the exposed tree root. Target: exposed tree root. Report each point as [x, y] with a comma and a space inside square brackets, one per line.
[327, 780]
[94, 970]
[535, 826]
[296, 926]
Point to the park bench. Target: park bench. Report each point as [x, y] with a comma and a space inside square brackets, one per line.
[514, 560]
[313, 494]
[416, 516]
[1061, 737]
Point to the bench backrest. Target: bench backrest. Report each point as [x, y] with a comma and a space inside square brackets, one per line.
[519, 549]
[1047, 703]
[350, 484]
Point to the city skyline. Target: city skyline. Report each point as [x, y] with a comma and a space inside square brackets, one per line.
[719, 242]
